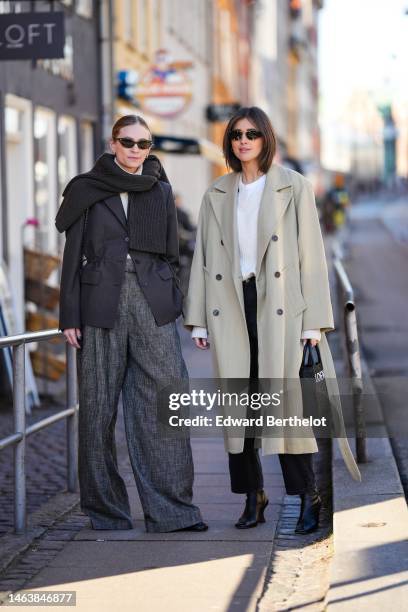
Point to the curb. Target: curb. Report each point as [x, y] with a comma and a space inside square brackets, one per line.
[298, 570]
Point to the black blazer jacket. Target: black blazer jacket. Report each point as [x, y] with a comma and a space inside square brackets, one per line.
[89, 292]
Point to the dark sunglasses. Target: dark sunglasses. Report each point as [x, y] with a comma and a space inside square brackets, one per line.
[250, 134]
[128, 143]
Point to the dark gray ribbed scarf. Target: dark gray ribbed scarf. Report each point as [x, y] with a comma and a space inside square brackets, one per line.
[147, 216]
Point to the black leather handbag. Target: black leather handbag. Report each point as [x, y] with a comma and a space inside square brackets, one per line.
[314, 390]
[312, 366]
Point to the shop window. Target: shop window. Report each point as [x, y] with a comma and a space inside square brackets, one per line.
[10, 7]
[84, 8]
[87, 146]
[63, 67]
[44, 178]
[14, 123]
[67, 151]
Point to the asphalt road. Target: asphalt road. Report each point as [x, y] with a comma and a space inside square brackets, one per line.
[376, 259]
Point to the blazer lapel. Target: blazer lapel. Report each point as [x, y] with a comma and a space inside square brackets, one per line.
[114, 203]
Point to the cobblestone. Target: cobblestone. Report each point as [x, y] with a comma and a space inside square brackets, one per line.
[60, 523]
[298, 575]
[40, 553]
[45, 464]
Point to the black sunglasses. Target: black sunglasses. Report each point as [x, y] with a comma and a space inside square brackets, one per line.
[250, 134]
[128, 143]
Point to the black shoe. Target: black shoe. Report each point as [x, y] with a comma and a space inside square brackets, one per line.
[201, 526]
[253, 514]
[309, 513]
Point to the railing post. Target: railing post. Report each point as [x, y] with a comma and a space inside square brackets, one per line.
[72, 421]
[354, 362]
[348, 313]
[20, 502]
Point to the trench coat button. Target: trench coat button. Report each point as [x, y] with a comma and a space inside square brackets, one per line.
[127, 238]
[218, 276]
[274, 237]
[222, 242]
[216, 312]
[277, 274]
[279, 311]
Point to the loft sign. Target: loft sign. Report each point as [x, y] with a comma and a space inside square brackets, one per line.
[32, 36]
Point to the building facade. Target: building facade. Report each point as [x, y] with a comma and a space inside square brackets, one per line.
[49, 116]
[284, 76]
[175, 33]
[56, 114]
[209, 41]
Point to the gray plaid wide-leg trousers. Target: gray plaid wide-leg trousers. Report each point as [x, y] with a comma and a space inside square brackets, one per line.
[131, 358]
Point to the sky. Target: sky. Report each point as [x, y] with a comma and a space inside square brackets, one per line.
[362, 44]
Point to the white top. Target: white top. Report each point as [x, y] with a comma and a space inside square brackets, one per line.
[248, 202]
[124, 194]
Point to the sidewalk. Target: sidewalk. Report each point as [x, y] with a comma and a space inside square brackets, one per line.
[136, 570]
[263, 569]
[146, 572]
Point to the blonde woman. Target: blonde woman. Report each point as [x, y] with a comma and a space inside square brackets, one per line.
[118, 307]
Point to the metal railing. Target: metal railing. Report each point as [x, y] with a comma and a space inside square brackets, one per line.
[347, 310]
[21, 431]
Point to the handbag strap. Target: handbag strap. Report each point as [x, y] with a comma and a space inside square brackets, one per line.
[83, 256]
[177, 282]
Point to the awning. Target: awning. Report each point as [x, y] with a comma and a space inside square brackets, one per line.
[189, 146]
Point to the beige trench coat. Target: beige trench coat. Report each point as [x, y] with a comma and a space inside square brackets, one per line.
[289, 242]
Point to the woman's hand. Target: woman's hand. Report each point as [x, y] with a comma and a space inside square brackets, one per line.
[312, 341]
[201, 343]
[72, 335]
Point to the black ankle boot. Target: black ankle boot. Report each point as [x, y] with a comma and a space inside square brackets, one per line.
[309, 513]
[253, 514]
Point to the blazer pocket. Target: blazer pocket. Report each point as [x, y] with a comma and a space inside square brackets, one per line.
[296, 301]
[90, 277]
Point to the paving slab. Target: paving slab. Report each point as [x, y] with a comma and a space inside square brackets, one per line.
[221, 530]
[143, 576]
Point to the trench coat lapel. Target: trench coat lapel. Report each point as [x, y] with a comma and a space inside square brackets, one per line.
[114, 203]
[223, 203]
[276, 196]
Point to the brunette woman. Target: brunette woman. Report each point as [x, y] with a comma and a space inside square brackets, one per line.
[259, 288]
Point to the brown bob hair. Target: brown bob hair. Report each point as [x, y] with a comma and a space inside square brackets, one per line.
[261, 121]
[127, 120]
